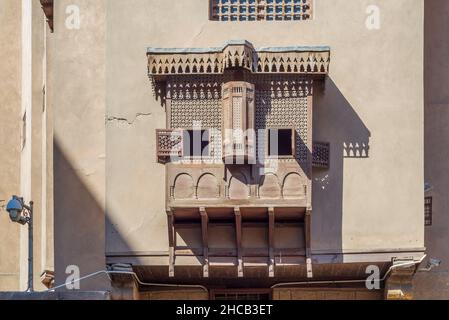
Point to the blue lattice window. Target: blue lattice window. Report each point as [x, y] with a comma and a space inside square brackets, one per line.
[257, 10]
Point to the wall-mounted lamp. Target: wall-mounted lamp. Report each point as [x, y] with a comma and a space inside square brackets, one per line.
[21, 213]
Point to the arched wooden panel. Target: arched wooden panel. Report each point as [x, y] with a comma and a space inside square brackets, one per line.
[184, 187]
[269, 187]
[293, 186]
[238, 187]
[208, 187]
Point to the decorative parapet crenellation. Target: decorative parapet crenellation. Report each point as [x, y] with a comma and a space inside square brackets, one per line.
[238, 54]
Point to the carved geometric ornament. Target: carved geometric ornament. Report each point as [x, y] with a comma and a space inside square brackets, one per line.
[321, 152]
[169, 143]
[205, 61]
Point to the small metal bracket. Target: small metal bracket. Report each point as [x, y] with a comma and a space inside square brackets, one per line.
[309, 268]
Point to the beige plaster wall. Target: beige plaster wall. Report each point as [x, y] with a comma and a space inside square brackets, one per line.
[10, 119]
[24, 169]
[105, 173]
[47, 157]
[106, 176]
[38, 140]
[78, 103]
[374, 95]
[435, 284]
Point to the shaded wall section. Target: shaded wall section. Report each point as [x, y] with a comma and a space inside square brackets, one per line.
[435, 284]
[78, 103]
[336, 122]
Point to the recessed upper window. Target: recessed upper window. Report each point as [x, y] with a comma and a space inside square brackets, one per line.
[281, 142]
[257, 10]
[196, 143]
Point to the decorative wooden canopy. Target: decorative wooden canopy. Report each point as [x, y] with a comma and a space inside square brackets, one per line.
[203, 61]
[47, 6]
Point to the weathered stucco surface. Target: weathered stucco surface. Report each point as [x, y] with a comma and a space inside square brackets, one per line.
[78, 99]
[25, 171]
[109, 189]
[435, 284]
[9, 139]
[361, 203]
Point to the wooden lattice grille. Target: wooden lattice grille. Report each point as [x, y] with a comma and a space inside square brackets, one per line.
[195, 102]
[279, 103]
[428, 211]
[257, 10]
[321, 151]
[274, 110]
[169, 144]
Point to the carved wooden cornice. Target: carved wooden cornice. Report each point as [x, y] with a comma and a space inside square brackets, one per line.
[238, 54]
[47, 6]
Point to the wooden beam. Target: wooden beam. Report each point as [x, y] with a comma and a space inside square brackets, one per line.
[271, 228]
[205, 239]
[238, 232]
[172, 242]
[48, 8]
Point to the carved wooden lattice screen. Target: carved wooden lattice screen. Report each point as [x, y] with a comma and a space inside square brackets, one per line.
[279, 102]
[428, 211]
[321, 152]
[254, 10]
[169, 144]
[282, 109]
[195, 102]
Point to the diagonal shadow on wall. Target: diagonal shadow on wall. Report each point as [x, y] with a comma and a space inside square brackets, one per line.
[335, 121]
[79, 225]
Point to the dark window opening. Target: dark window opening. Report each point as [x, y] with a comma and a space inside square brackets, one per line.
[280, 142]
[196, 143]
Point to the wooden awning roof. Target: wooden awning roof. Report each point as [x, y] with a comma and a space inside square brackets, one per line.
[267, 60]
[47, 6]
